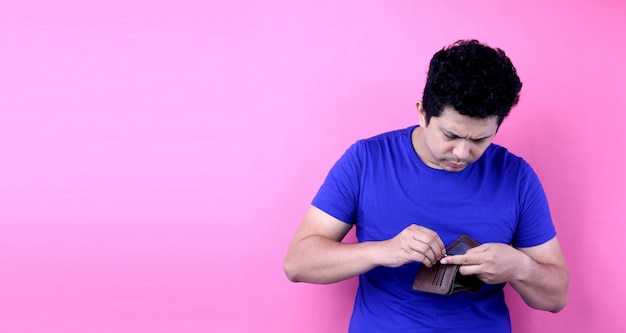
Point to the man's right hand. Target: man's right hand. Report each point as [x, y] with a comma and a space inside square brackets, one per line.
[413, 244]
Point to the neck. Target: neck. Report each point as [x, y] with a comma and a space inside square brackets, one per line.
[417, 139]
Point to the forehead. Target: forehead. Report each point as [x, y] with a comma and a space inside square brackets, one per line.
[460, 125]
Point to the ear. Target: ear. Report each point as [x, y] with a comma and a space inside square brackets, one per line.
[421, 113]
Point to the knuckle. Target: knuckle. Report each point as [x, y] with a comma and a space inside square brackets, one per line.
[430, 238]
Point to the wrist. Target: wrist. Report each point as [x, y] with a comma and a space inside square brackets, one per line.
[524, 267]
[374, 252]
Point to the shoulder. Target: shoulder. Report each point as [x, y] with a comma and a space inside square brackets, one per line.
[498, 162]
[387, 140]
[391, 135]
[500, 153]
[500, 157]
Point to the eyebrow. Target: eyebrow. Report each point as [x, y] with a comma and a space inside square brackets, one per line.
[449, 133]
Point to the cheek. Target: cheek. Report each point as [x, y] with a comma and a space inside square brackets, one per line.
[444, 150]
[477, 151]
[437, 147]
[446, 146]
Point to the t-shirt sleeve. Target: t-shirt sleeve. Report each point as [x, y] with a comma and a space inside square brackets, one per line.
[338, 195]
[535, 222]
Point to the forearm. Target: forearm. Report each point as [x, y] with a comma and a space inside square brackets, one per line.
[317, 255]
[542, 286]
[317, 259]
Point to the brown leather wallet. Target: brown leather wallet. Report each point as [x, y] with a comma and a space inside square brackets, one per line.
[446, 279]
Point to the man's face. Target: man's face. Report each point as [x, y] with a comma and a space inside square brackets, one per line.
[452, 141]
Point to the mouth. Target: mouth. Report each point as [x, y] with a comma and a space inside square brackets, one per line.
[455, 166]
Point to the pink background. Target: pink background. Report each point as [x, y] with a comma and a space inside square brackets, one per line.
[157, 156]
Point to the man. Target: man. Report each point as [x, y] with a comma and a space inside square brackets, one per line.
[412, 192]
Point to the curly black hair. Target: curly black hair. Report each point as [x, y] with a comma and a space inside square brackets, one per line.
[474, 79]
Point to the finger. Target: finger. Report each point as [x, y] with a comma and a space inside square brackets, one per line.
[469, 269]
[440, 248]
[431, 238]
[425, 253]
[476, 250]
[461, 259]
[453, 260]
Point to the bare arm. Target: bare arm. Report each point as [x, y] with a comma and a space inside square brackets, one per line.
[543, 279]
[539, 274]
[316, 254]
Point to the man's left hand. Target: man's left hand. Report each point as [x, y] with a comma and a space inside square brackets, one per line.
[492, 262]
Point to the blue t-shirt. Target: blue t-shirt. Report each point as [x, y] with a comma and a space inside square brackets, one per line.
[382, 186]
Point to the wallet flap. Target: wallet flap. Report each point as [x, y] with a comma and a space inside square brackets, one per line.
[461, 245]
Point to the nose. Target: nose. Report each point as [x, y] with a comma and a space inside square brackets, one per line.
[462, 150]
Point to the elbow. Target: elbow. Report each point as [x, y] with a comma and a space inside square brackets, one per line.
[554, 308]
[296, 272]
[561, 301]
[553, 304]
[290, 271]
[559, 305]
